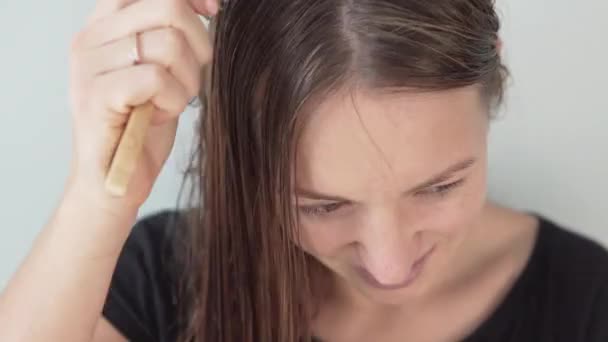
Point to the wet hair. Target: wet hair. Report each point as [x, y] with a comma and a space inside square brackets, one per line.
[244, 278]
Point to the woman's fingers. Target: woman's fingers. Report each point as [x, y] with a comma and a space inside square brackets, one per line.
[147, 15]
[205, 7]
[165, 46]
[104, 8]
[119, 91]
[170, 44]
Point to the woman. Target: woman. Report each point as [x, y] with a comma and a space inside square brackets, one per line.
[339, 186]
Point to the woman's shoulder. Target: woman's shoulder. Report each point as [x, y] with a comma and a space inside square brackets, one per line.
[141, 302]
[567, 283]
[152, 241]
[549, 247]
[560, 295]
[564, 252]
[157, 229]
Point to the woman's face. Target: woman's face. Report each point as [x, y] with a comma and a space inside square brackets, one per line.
[389, 184]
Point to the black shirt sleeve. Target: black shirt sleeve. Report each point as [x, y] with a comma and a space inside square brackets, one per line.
[598, 329]
[141, 302]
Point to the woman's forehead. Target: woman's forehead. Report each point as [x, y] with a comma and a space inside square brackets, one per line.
[368, 137]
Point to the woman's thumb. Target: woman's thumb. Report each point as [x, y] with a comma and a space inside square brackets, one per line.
[205, 7]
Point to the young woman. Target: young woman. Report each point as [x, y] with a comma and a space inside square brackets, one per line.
[338, 186]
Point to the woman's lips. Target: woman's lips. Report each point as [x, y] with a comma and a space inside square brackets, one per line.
[415, 270]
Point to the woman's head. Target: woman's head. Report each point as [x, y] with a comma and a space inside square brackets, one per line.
[352, 131]
[384, 178]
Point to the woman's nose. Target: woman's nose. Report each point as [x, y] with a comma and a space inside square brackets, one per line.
[387, 249]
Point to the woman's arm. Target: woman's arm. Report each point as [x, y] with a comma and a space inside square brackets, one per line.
[105, 332]
[59, 291]
[130, 53]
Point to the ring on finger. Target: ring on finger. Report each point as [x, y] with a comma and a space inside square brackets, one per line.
[135, 53]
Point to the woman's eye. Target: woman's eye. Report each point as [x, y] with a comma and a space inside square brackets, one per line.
[441, 190]
[320, 210]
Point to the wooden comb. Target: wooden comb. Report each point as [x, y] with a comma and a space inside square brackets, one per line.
[131, 143]
[129, 150]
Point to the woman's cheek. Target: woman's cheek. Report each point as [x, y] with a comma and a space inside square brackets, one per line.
[452, 214]
[465, 209]
[324, 238]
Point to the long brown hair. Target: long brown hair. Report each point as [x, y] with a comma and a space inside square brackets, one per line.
[244, 278]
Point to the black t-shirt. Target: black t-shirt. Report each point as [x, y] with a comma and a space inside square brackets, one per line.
[561, 295]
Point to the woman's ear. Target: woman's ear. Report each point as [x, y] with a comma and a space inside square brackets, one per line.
[499, 45]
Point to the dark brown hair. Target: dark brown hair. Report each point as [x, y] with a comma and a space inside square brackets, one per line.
[245, 278]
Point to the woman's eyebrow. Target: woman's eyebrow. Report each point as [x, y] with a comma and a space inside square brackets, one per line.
[443, 175]
[316, 195]
[440, 177]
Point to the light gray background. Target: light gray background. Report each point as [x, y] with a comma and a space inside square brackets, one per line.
[548, 151]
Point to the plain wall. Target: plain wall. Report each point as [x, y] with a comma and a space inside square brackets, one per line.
[548, 150]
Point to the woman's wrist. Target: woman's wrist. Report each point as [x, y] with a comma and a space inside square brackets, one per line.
[92, 224]
[93, 232]
[80, 191]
